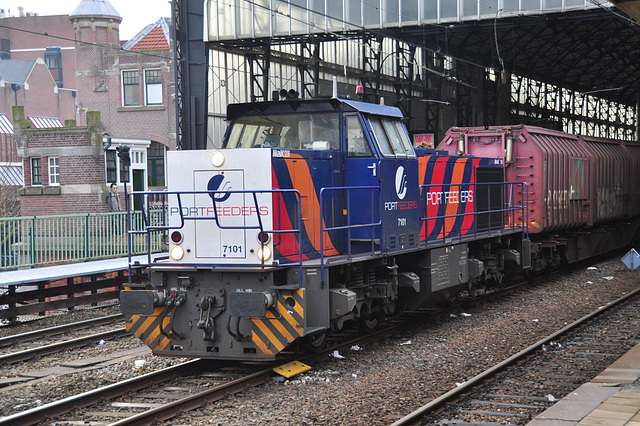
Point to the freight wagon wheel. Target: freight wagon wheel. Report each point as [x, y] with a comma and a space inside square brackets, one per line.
[316, 343]
[367, 321]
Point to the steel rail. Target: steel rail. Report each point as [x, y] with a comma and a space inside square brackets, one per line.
[27, 354]
[192, 402]
[480, 378]
[60, 329]
[63, 406]
[216, 393]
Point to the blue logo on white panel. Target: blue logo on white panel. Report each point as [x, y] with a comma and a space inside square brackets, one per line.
[215, 184]
[401, 183]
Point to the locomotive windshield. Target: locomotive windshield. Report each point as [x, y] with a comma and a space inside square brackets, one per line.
[392, 137]
[289, 131]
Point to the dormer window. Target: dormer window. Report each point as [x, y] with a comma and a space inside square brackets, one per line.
[53, 60]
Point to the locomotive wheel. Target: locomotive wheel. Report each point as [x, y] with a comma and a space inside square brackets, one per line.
[511, 272]
[316, 343]
[451, 301]
[367, 321]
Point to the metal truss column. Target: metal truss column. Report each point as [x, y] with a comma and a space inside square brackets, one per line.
[259, 64]
[309, 69]
[464, 72]
[433, 89]
[491, 87]
[404, 76]
[371, 63]
[191, 65]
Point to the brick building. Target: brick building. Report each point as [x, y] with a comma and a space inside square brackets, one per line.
[131, 84]
[63, 167]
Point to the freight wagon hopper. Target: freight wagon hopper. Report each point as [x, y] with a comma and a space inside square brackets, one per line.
[579, 188]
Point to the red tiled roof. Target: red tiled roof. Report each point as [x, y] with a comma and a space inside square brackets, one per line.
[155, 39]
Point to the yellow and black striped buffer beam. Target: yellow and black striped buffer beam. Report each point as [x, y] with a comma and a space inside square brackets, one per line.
[283, 324]
[147, 328]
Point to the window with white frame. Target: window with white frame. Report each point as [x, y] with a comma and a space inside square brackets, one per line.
[130, 88]
[137, 157]
[153, 87]
[54, 171]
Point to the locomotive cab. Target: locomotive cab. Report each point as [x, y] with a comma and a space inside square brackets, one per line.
[358, 156]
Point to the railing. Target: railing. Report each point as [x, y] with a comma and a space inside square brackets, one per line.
[376, 219]
[488, 218]
[149, 226]
[28, 242]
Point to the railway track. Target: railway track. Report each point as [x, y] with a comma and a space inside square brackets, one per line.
[155, 396]
[39, 349]
[151, 397]
[163, 394]
[522, 386]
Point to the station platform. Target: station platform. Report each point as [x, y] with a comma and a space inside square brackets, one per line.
[610, 399]
[70, 270]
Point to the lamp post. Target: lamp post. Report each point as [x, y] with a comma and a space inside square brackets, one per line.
[125, 161]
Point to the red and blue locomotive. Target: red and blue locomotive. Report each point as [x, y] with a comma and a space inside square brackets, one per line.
[316, 214]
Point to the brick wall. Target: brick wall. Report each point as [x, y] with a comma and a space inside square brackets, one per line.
[48, 205]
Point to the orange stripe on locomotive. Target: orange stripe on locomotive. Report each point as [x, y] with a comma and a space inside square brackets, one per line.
[449, 178]
[285, 216]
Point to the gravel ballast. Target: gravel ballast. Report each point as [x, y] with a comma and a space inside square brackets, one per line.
[384, 381]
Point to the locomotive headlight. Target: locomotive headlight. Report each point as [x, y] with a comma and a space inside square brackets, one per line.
[177, 253]
[217, 159]
[264, 253]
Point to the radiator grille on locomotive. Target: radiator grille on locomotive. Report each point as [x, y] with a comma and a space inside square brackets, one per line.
[490, 198]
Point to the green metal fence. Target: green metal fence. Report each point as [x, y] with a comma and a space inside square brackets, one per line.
[45, 240]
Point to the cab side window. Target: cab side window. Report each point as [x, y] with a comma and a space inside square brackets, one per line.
[357, 145]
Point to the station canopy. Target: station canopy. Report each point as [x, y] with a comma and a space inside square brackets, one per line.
[588, 46]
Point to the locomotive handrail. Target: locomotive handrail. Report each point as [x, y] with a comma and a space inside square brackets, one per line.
[508, 210]
[348, 226]
[513, 207]
[148, 228]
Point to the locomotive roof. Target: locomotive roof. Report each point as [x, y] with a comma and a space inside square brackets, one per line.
[310, 106]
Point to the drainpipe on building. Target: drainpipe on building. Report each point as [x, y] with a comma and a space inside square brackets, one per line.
[15, 88]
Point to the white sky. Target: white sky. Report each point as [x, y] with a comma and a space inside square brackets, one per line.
[136, 14]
